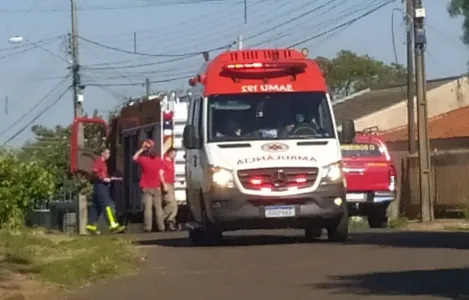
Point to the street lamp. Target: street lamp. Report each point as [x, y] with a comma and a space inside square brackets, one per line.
[16, 39]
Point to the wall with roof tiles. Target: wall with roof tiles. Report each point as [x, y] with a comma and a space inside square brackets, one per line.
[447, 97]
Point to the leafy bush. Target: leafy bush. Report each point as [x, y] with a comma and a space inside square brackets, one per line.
[21, 184]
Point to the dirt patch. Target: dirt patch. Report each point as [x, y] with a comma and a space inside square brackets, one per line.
[439, 225]
[14, 286]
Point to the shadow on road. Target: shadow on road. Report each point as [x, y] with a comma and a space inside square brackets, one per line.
[413, 239]
[447, 283]
[400, 239]
[231, 241]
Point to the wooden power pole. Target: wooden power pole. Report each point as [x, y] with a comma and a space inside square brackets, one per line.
[410, 78]
[82, 203]
[422, 112]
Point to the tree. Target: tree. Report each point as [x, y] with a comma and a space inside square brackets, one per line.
[22, 185]
[459, 8]
[349, 72]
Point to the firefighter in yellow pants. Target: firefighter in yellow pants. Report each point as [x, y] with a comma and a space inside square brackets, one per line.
[102, 202]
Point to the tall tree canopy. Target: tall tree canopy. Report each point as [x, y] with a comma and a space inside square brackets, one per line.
[349, 72]
[459, 8]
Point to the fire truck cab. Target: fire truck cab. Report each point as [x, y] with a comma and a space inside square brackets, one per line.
[262, 148]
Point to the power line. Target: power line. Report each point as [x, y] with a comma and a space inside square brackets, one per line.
[321, 25]
[40, 42]
[136, 84]
[154, 55]
[342, 25]
[292, 19]
[222, 14]
[120, 7]
[267, 21]
[38, 103]
[221, 27]
[41, 113]
[189, 55]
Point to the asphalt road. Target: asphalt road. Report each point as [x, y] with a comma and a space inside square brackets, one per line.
[261, 265]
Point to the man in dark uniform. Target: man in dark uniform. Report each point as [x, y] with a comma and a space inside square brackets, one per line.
[101, 201]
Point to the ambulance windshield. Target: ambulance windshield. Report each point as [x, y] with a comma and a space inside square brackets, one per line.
[269, 116]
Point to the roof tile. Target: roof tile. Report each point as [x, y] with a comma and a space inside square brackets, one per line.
[377, 99]
[448, 125]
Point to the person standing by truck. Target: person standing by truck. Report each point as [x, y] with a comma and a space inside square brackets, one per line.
[170, 203]
[102, 201]
[150, 183]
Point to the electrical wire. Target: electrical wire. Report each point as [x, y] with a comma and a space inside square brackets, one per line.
[222, 47]
[40, 42]
[136, 84]
[119, 7]
[116, 71]
[315, 9]
[369, 12]
[24, 50]
[222, 28]
[153, 55]
[116, 95]
[189, 55]
[38, 103]
[288, 31]
[15, 22]
[40, 114]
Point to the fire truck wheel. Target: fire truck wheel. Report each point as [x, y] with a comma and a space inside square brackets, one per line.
[338, 230]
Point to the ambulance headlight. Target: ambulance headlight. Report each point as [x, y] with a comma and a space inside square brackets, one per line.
[222, 177]
[332, 172]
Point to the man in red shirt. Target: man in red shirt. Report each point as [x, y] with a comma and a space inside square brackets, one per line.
[101, 201]
[171, 206]
[150, 183]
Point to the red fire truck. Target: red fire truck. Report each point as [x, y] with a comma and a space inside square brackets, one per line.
[137, 121]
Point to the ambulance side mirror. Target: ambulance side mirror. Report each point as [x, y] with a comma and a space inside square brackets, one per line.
[348, 132]
[190, 140]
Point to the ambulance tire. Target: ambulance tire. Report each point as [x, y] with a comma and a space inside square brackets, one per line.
[207, 234]
[337, 231]
[312, 233]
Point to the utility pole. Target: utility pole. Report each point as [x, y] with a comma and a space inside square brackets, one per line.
[245, 11]
[240, 42]
[147, 87]
[410, 78]
[424, 151]
[135, 42]
[82, 204]
[6, 105]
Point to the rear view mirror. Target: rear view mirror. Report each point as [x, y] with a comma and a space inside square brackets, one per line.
[189, 138]
[348, 132]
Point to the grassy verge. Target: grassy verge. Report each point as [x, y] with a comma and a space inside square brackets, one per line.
[63, 260]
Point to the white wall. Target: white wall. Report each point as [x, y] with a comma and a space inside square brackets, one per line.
[447, 97]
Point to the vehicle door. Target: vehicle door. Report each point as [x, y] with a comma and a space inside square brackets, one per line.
[193, 168]
[197, 162]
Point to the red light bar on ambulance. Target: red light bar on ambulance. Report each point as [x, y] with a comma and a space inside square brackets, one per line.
[259, 65]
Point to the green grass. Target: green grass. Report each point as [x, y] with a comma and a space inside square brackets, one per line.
[399, 222]
[65, 261]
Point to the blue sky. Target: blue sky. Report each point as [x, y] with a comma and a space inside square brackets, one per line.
[165, 27]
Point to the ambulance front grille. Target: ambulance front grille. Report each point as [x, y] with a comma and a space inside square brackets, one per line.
[278, 179]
